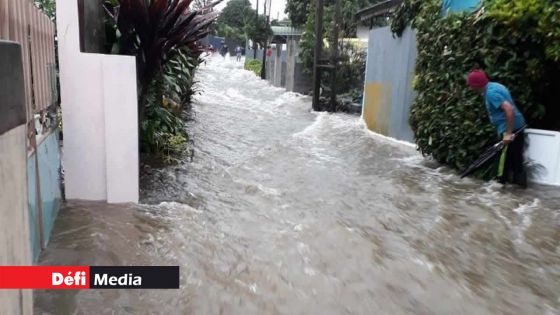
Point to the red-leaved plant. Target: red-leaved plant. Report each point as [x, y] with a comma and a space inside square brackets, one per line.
[154, 30]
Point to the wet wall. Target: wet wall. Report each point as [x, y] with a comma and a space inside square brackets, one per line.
[44, 193]
[14, 236]
[388, 92]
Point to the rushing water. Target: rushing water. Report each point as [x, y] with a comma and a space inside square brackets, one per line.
[286, 211]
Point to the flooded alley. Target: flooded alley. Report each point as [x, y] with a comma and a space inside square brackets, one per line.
[285, 211]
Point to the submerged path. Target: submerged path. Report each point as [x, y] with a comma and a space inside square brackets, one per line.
[285, 211]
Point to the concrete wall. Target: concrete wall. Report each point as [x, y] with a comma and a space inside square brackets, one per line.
[99, 103]
[286, 70]
[292, 54]
[279, 65]
[363, 32]
[249, 53]
[14, 237]
[274, 65]
[388, 93]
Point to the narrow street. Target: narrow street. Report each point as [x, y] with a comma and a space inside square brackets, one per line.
[286, 211]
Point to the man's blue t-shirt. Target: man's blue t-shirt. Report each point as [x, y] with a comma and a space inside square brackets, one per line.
[496, 94]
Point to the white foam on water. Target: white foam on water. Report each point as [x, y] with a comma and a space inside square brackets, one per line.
[428, 265]
[386, 139]
[312, 131]
[524, 212]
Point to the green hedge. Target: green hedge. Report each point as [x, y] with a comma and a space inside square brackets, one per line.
[449, 121]
[254, 65]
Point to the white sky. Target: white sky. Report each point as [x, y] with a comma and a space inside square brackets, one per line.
[278, 7]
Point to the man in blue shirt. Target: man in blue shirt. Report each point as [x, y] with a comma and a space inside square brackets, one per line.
[508, 120]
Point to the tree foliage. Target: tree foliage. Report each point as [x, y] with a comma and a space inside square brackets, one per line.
[238, 21]
[154, 31]
[164, 37]
[535, 18]
[349, 8]
[236, 13]
[297, 11]
[47, 6]
[258, 30]
[449, 121]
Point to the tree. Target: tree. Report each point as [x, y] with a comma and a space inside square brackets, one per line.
[348, 27]
[234, 14]
[233, 19]
[237, 21]
[349, 10]
[298, 10]
[258, 31]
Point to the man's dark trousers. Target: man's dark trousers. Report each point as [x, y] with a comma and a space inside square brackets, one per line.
[513, 168]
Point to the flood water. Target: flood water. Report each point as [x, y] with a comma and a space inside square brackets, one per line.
[286, 211]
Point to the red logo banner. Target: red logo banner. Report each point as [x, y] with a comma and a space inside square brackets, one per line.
[45, 277]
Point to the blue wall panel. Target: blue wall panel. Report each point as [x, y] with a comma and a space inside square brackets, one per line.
[49, 177]
[31, 190]
[49, 168]
[459, 5]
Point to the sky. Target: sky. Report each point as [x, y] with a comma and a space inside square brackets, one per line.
[278, 7]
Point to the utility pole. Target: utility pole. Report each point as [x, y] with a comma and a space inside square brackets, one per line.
[265, 48]
[318, 52]
[334, 56]
[255, 47]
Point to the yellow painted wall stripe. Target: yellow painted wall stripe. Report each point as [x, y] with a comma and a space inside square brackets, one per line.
[377, 109]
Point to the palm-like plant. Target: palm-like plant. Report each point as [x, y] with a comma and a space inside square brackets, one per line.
[154, 30]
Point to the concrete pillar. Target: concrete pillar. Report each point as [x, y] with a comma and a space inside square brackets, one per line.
[15, 248]
[278, 66]
[99, 113]
[291, 62]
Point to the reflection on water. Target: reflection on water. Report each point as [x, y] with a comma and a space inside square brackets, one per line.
[284, 211]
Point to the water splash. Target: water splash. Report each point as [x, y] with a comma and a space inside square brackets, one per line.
[286, 211]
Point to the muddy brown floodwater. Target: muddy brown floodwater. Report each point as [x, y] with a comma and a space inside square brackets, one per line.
[285, 211]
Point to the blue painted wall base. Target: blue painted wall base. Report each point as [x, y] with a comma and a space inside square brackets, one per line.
[49, 178]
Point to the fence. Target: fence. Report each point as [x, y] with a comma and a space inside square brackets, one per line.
[285, 71]
[22, 22]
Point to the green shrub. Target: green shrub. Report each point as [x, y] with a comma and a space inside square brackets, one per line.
[449, 121]
[162, 132]
[48, 7]
[178, 77]
[254, 65]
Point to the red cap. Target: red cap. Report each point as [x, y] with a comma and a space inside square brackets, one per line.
[477, 79]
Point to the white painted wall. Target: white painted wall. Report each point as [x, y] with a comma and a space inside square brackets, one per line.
[363, 32]
[15, 247]
[99, 115]
[121, 129]
[544, 150]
